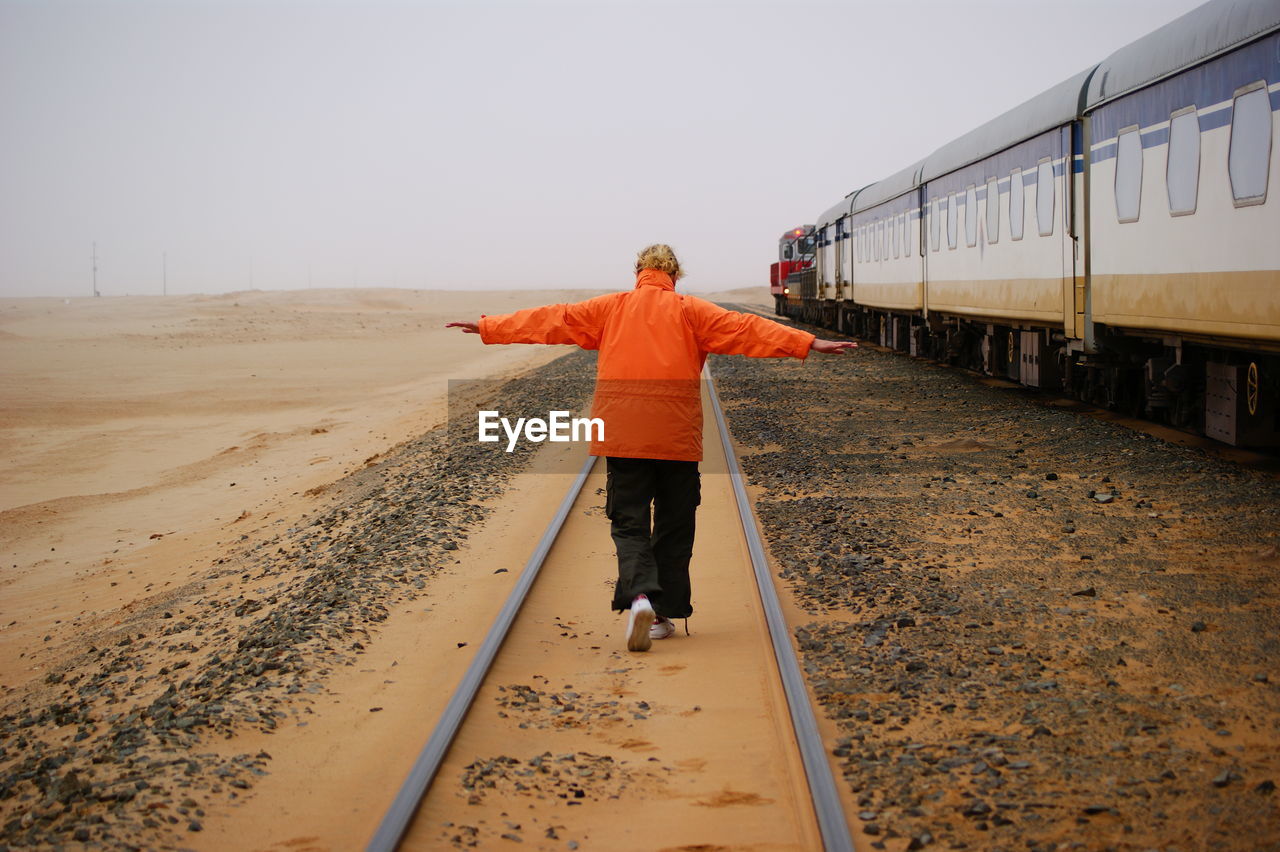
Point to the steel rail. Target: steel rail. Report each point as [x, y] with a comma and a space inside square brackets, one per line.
[396, 821]
[826, 800]
[822, 786]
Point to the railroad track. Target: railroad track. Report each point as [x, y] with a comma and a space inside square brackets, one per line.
[576, 761]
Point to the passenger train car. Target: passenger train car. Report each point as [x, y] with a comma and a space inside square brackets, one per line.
[1113, 237]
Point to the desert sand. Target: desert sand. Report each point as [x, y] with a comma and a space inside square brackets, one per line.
[135, 422]
[127, 420]
[142, 438]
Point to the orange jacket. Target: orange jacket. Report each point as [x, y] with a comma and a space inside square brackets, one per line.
[653, 342]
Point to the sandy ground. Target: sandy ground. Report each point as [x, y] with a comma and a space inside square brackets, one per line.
[684, 747]
[1032, 629]
[686, 735]
[142, 439]
[139, 427]
[747, 296]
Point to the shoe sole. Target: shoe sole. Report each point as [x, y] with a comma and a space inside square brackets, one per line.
[638, 637]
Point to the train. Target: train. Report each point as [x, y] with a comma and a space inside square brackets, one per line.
[1113, 238]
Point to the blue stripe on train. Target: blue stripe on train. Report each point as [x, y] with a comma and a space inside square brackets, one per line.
[1213, 83]
[1155, 138]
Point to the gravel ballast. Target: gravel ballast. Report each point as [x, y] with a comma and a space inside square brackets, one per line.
[1032, 629]
[111, 749]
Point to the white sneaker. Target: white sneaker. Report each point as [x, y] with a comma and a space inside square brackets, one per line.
[639, 620]
[662, 628]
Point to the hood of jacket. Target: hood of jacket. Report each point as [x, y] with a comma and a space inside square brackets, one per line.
[654, 278]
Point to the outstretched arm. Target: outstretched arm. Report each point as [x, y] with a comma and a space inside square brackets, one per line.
[577, 323]
[734, 333]
[832, 347]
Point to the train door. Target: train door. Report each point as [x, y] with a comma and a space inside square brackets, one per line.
[1067, 193]
[922, 248]
[855, 246]
[842, 266]
[1081, 325]
[847, 266]
[827, 274]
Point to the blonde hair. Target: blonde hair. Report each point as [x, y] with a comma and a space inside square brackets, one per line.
[659, 256]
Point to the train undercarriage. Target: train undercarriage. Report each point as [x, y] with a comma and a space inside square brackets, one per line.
[1202, 386]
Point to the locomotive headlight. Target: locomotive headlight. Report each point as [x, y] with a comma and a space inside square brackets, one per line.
[786, 291]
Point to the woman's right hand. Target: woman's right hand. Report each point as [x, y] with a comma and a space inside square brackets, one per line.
[832, 347]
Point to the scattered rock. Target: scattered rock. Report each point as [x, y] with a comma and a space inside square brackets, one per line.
[1225, 777]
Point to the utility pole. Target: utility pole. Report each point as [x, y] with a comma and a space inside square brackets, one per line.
[95, 269]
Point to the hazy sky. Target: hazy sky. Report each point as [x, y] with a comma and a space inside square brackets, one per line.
[491, 143]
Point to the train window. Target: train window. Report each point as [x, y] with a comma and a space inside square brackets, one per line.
[1249, 159]
[904, 225]
[1182, 175]
[1044, 197]
[1129, 175]
[971, 216]
[935, 226]
[884, 242]
[1017, 204]
[993, 210]
[951, 220]
[893, 239]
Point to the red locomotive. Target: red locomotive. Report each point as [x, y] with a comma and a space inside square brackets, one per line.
[795, 254]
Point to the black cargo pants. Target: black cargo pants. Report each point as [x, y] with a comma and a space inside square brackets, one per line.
[653, 559]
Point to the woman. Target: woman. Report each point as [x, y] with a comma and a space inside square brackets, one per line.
[653, 343]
